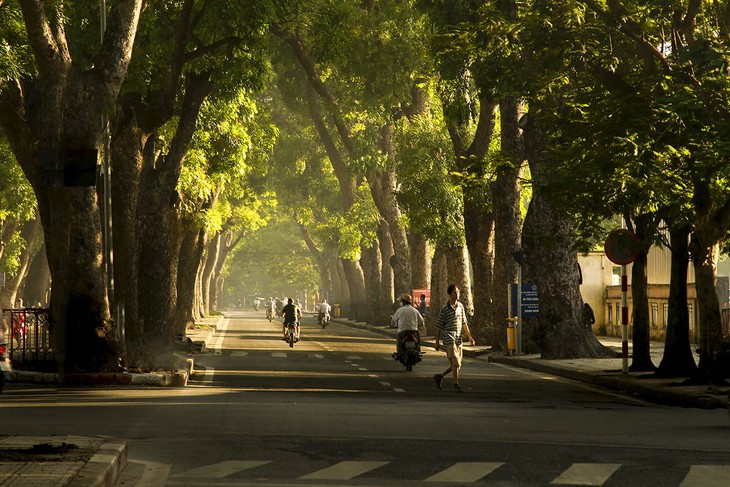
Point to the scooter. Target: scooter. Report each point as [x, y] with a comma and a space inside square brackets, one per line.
[291, 334]
[323, 320]
[410, 354]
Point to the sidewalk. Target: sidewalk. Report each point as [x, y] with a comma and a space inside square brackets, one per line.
[601, 372]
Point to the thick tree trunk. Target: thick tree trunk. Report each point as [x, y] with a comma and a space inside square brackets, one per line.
[343, 289]
[478, 228]
[191, 253]
[213, 252]
[371, 264]
[677, 360]
[457, 262]
[420, 261]
[386, 297]
[439, 284]
[383, 189]
[708, 307]
[31, 234]
[355, 278]
[128, 158]
[506, 192]
[641, 356]
[38, 281]
[548, 238]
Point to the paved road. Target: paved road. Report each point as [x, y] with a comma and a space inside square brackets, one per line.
[337, 410]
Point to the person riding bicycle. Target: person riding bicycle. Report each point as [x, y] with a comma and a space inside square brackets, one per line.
[324, 310]
[408, 319]
[291, 314]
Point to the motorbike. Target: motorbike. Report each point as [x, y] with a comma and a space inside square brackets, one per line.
[410, 354]
[4, 361]
[291, 334]
[323, 319]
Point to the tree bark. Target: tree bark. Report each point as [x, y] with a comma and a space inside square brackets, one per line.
[371, 265]
[38, 281]
[213, 252]
[64, 110]
[548, 239]
[457, 265]
[439, 284]
[708, 307]
[386, 299]
[677, 360]
[644, 229]
[506, 191]
[420, 260]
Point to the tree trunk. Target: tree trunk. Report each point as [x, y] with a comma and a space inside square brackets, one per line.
[551, 262]
[457, 262]
[191, 253]
[386, 299]
[371, 264]
[213, 252]
[478, 228]
[506, 192]
[708, 307]
[439, 283]
[343, 289]
[30, 233]
[641, 346]
[38, 281]
[677, 360]
[420, 260]
[355, 278]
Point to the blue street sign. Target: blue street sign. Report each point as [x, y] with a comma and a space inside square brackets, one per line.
[530, 300]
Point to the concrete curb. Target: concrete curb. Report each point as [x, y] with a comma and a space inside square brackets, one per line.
[662, 394]
[103, 469]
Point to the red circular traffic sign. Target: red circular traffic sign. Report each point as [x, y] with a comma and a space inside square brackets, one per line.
[622, 246]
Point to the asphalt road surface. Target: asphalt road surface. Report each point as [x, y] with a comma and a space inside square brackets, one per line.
[336, 410]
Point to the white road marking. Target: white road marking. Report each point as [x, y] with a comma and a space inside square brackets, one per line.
[221, 469]
[398, 389]
[343, 471]
[316, 355]
[221, 336]
[707, 476]
[278, 355]
[587, 474]
[353, 357]
[386, 384]
[238, 353]
[465, 472]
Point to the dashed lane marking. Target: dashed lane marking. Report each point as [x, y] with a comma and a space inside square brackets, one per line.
[465, 472]
[343, 471]
[238, 354]
[278, 355]
[707, 476]
[587, 474]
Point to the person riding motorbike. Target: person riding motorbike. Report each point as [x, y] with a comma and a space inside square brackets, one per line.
[407, 319]
[324, 311]
[291, 314]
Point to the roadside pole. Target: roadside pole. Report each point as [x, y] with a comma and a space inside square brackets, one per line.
[622, 247]
[624, 320]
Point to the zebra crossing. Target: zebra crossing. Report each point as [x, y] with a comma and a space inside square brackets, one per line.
[462, 473]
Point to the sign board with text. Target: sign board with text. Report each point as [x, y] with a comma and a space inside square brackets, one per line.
[530, 300]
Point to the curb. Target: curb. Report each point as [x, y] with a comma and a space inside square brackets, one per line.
[103, 469]
[660, 395]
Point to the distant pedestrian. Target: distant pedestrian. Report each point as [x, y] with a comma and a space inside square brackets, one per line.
[422, 306]
[589, 318]
[450, 323]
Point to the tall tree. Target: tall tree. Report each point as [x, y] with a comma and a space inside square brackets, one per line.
[51, 112]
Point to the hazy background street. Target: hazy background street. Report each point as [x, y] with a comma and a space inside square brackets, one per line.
[337, 410]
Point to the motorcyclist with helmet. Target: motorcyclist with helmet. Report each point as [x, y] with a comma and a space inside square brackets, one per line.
[291, 314]
[407, 319]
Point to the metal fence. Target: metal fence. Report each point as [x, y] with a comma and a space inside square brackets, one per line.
[29, 338]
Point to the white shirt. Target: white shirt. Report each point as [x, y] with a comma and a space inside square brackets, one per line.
[408, 318]
[324, 308]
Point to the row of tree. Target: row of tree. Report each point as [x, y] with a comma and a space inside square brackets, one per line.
[398, 137]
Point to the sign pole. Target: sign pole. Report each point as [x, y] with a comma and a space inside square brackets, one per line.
[518, 331]
[624, 320]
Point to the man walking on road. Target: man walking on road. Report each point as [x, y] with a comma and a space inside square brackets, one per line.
[451, 321]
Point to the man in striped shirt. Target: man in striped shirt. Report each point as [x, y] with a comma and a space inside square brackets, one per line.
[451, 322]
